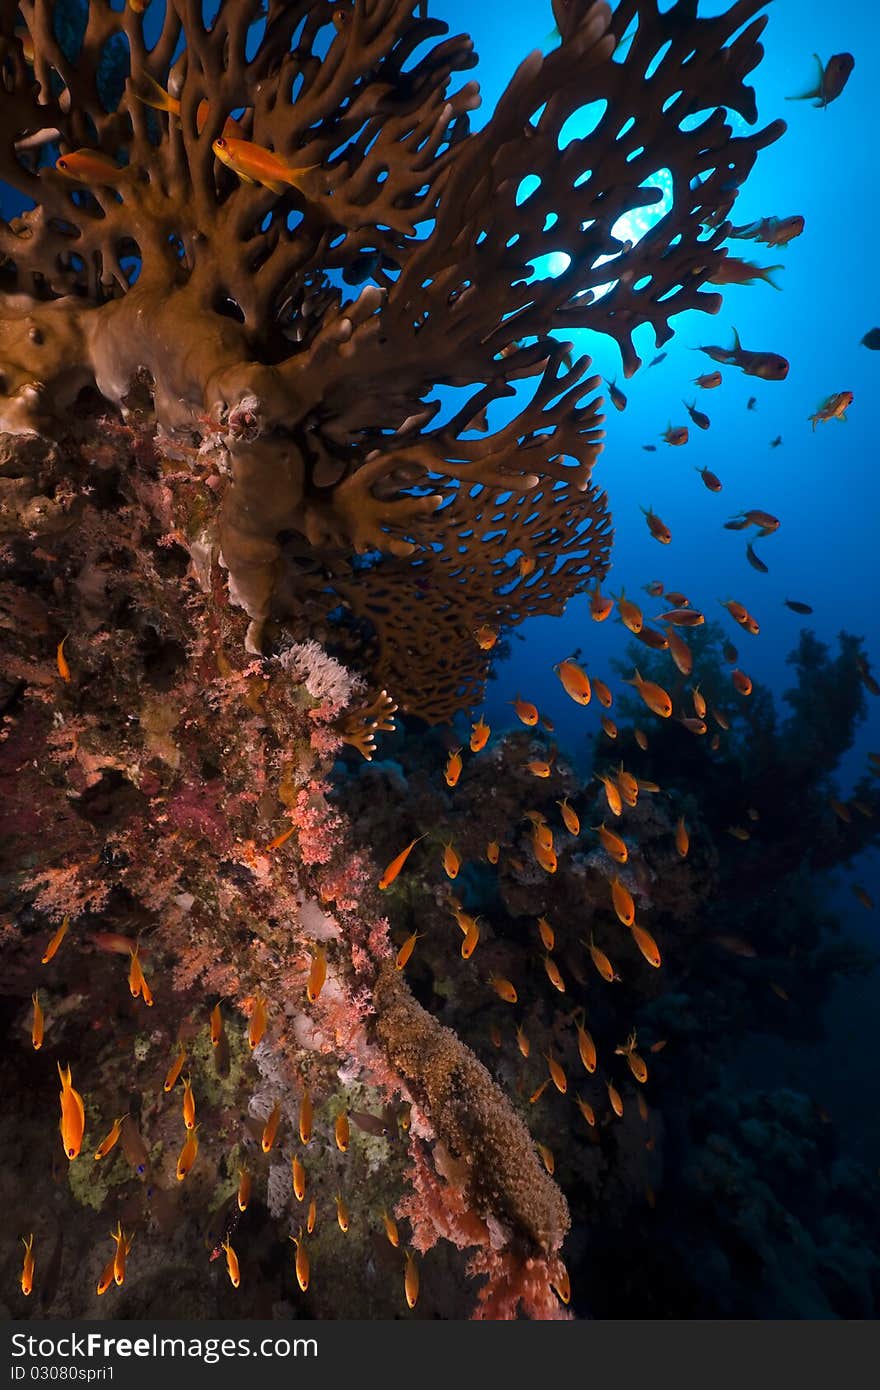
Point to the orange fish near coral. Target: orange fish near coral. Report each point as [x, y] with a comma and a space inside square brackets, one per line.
[586, 1110]
[61, 661]
[622, 902]
[55, 941]
[317, 974]
[257, 1022]
[137, 983]
[280, 839]
[637, 1064]
[647, 945]
[390, 1229]
[188, 1153]
[411, 1280]
[216, 1026]
[232, 1266]
[451, 861]
[612, 795]
[832, 408]
[36, 1023]
[615, 1098]
[453, 768]
[676, 435]
[343, 1218]
[472, 936]
[91, 166]
[575, 681]
[485, 638]
[601, 962]
[73, 1115]
[525, 712]
[394, 868]
[406, 950]
[630, 613]
[769, 366]
[493, 851]
[270, 1128]
[27, 1268]
[302, 1262]
[557, 1075]
[654, 696]
[682, 839]
[298, 1177]
[110, 1139]
[600, 606]
[659, 530]
[586, 1046]
[479, 735]
[244, 1189]
[569, 816]
[255, 163]
[503, 988]
[306, 1116]
[553, 974]
[546, 933]
[342, 1132]
[174, 1070]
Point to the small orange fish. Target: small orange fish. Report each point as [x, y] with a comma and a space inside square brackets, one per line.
[522, 1041]
[553, 974]
[621, 900]
[406, 950]
[493, 851]
[61, 661]
[609, 727]
[411, 1280]
[317, 974]
[298, 1176]
[232, 1267]
[280, 839]
[397, 864]
[189, 1103]
[699, 702]
[56, 941]
[600, 606]
[188, 1153]
[311, 1216]
[741, 682]
[612, 795]
[630, 614]
[257, 1021]
[479, 735]
[244, 1189]
[586, 1110]
[302, 1262]
[675, 435]
[601, 962]
[485, 638]
[503, 988]
[342, 1132]
[586, 1047]
[682, 839]
[110, 1139]
[569, 816]
[657, 1046]
[538, 768]
[123, 1246]
[216, 1025]
[602, 693]
[683, 617]
[270, 1128]
[611, 843]
[575, 681]
[647, 945]
[525, 712]
[545, 857]
[536, 1095]
[106, 1278]
[557, 1075]
[137, 983]
[546, 1157]
[91, 166]
[654, 696]
[546, 933]
[27, 1268]
[73, 1115]
[709, 380]
[641, 739]
[629, 785]
[636, 1063]
[37, 1023]
[615, 1098]
[659, 530]
[472, 936]
[526, 566]
[451, 862]
[306, 1117]
[342, 1214]
[255, 163]
[391, 1230]
[174, 1070]
[453, 768]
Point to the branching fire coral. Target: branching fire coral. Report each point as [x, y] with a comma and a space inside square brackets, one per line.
[153, 256]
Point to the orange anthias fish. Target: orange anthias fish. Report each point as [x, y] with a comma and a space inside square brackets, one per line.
[769, 366]
[741, 682]
[711, 480]
[522, 1041]
[485, 638]
[110, 1139]
[343, 1218]
[479, 735]
[708, 381]
[397, 863]
[615, 1098]
[298, 1178]
[569, 816]
[27, 1268]
[317, 974]
[306, 1117]
[216, 1025]
[37, 1023]
[406, 950]
[612, 794]
[342, 1132]
[411, 1280]
[647, 945]
[270, 1128]
[280, 839]
[586, 1046]
[61, 661]
[601, 962]
[257, 1022]
[232, 1266]
[600, 606]
[602, 693]
[302, 1262]
[575, 681]
[91, 166]
[73, 1115]
[493, 851]
[123, 1246]
[654, 696]
[830, 79]
[733, 271]
[244, 1189]
[174, 1070]
[612, 844]
[622, 902]
[832, 408]
[544, 856]
[453, 768]
[682, 839]
[503, 988]
[586, 1110]
[137, 983]
[255, 163]
[451, 861]
[630, 613]
[56, 941]
[770, 231]
[539, 768]
[525, 712]
[637, 1064]
[546, 933]
[189, 1104]
[553, 974]
[472, 936]
[676, 435]
[609, 728]
[390, 1229]
[659, 530]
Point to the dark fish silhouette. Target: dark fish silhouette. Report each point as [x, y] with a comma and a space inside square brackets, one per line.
[830, 81]
[872, 339]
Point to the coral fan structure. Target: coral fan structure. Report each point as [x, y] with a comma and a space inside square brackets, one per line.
[186, 387]
[148, 259]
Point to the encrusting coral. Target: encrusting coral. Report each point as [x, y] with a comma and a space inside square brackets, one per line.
[270, 427]
[221, 296]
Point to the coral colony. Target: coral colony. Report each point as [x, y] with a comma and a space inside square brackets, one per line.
[236, 540]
